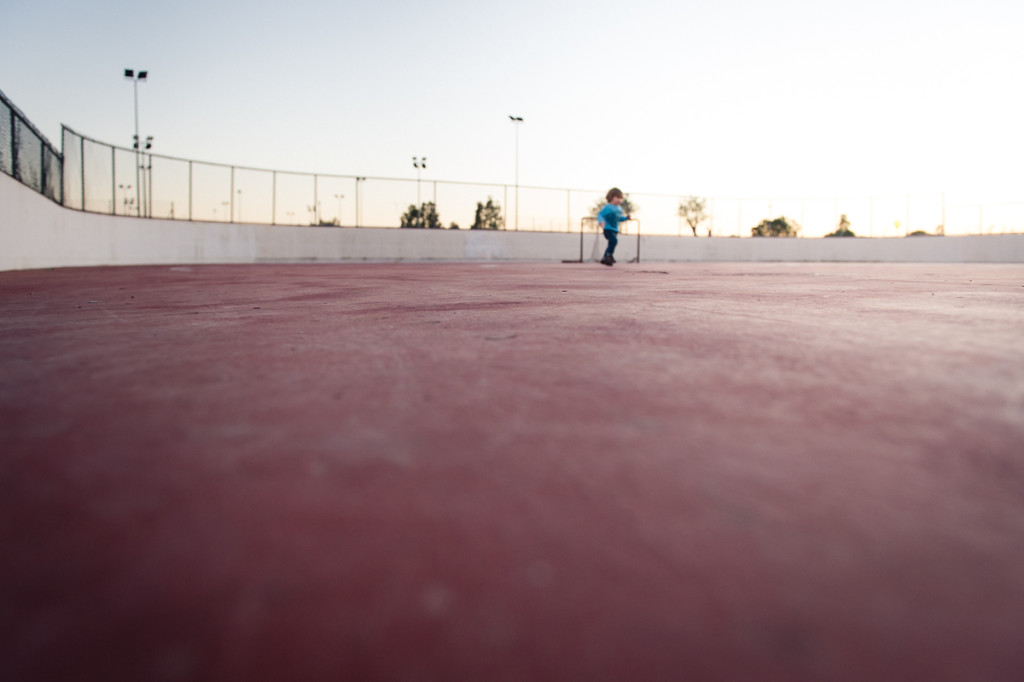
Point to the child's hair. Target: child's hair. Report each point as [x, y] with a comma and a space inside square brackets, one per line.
[612, 193]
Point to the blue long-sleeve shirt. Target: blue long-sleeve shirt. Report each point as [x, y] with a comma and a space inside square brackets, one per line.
[610, 216]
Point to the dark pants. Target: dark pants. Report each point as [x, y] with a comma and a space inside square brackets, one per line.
[613, 240]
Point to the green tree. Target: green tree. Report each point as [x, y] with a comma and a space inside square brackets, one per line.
[423, 217]
[693, 212]
[777, 227]
[487, 217]
[843, 230]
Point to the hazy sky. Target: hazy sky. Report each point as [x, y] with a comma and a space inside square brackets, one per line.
[793, 98]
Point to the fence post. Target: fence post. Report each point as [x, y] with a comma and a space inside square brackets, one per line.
[581, 239]
[906, 231]
[14, 147]
[232, 216]
[63, 196]
[81, 142]
[113, 180]
[273, 199]
[42, 166]
[190, 191]
[568, 210]
[10, 116]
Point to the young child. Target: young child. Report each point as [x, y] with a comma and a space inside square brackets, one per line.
[609, 218]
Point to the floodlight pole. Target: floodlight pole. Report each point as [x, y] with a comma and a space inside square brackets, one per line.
[419, 163]
[358, 180]
[131, 75]
[138, 184]
[516, 120]
[147, 175]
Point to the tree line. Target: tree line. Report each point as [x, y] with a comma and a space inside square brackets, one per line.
[692, 209]
[487, 217]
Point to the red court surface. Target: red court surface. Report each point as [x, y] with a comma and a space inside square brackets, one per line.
[512, 472]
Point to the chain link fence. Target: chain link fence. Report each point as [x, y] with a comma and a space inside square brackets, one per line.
[26, 154]
[103, 178]
[98, 177]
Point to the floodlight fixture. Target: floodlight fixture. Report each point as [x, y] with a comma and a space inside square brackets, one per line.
[517, 120]
[419, 163]
[129, 73]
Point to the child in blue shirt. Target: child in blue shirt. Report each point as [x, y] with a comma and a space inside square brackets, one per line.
[609, 218]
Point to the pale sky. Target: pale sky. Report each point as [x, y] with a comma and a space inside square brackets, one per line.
[730, 98]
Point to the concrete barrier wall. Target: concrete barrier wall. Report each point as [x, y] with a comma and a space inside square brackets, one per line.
[36, 233]
[1003, 248]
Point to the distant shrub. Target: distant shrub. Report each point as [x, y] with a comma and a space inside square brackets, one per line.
[779, 227]
[844, 228]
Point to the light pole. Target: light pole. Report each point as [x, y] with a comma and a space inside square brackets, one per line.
[147, 176]
[516, 120]
[419, 163]
[358, 180]
[124, 192]
[135, 78]
[339, 197]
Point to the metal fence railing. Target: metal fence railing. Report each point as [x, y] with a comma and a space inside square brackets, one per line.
[101, 178]
[97, 177]
[26, 154]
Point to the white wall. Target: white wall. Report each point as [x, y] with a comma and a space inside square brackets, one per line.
[36, 233]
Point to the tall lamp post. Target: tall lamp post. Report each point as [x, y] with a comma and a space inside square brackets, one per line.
[339, 197]
[147, 176]
[125, 189]
[358, 180]
[135, 78]
[419, 163]
[516, 120]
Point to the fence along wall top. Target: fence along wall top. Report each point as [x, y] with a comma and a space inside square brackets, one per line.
[330, 175]
[24, 119]
[470, 182]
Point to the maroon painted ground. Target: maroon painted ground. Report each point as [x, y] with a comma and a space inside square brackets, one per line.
[512, 472]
